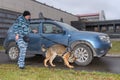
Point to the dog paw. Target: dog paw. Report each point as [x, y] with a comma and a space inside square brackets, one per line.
[46, 65]
[53, 65]
[71, 67]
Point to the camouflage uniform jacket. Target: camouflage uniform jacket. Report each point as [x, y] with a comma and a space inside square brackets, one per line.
[21, 26]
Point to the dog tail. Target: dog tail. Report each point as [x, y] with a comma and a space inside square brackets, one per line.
[43, 48]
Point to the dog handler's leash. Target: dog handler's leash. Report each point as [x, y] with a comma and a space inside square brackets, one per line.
[68, 49]
[49, 39]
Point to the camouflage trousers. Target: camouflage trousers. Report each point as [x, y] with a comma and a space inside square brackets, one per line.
[22, 45]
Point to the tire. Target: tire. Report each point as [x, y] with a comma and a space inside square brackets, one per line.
[13, 52]
[103, 55]
[38, 55]
[83, 54]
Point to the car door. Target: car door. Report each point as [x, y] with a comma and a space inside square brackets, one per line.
[35, 43]
[53, 34]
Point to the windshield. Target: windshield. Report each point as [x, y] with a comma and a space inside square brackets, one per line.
[70, 28]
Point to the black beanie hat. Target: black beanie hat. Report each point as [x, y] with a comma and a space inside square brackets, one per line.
[25, 13]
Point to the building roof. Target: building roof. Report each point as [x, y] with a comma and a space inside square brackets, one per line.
[53, 7]
[88, 15]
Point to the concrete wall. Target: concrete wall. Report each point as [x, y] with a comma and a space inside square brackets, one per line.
[35, 8]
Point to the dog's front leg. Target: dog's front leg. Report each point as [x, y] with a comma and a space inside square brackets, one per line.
[65, 58]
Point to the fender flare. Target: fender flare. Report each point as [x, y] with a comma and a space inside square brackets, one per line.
[73, 44]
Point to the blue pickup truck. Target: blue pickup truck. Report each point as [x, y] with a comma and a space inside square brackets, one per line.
[85, 45]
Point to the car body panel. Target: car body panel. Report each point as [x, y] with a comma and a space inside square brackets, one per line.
[66, 37]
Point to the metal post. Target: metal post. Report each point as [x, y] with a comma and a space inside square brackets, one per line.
[114, 26]
[99, 28]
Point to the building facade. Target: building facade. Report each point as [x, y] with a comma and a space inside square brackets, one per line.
[35, 8]
[11, 9]
[92, 16]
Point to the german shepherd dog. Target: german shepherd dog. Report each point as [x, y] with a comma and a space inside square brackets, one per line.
[56, 50]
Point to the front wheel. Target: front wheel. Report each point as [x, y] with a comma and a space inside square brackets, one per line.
[83, 54]
[13, 52]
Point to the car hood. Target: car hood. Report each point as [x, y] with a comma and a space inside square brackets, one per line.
[85, 34]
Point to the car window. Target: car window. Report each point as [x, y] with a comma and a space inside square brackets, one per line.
[34, 26]
[49, 28]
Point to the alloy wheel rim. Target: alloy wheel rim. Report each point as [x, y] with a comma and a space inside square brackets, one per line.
[81, 54]
[13, 53]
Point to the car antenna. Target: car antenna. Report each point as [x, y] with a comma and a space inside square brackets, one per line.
[42, 17]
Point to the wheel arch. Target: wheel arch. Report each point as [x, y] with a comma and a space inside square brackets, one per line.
[73, 44]
[12, 42]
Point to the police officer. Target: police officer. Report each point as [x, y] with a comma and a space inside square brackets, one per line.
[21, 29]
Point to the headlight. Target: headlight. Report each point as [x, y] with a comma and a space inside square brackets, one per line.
[105, 38]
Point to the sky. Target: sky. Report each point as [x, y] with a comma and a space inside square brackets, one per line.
[110, 7]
